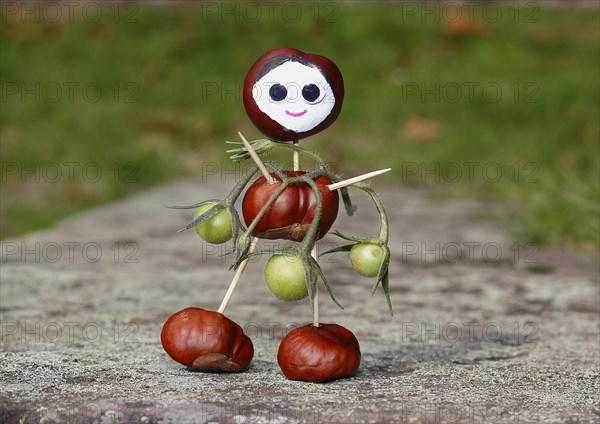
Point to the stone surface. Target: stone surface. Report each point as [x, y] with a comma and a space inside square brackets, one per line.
[505, 333]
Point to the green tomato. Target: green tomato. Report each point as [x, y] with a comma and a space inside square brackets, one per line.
[284, 275]
[367, 258]
[218, 228]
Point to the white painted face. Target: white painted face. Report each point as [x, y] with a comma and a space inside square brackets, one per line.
[296, 96]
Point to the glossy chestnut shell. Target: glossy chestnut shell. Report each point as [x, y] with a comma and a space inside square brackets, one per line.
[319, 354]
[268, 126]
[292, 213]
[206, 341]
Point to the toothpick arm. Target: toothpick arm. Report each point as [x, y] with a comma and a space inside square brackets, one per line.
[256, 159]
[357, 179]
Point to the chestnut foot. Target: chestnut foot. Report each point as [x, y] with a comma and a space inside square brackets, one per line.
[319, 354]
[206, 341]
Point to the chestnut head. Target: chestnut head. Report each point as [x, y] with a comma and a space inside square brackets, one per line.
[290, 95]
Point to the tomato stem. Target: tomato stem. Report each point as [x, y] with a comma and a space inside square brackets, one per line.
[244, 244]
[384, 231]
[235, 193]
[311, 235]
[314, 271]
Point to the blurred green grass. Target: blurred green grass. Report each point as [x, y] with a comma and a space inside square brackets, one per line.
[156, 91]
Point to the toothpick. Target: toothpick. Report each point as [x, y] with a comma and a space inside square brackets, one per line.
[237, 276]
[296, 157]
[257, 160]
[353, 180]
[313, 253]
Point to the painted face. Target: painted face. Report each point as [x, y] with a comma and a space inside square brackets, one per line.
[295, 95]
[290, 95]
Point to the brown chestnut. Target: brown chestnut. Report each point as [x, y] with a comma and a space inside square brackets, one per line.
[206, 341]
[319, 354]
[290, 95]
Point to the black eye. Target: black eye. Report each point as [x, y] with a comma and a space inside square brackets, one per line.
[311, 92]
[277, 92]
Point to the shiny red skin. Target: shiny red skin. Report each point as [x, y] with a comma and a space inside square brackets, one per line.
[271, 128]
[319, 354]
[206, 341]
[292, 213]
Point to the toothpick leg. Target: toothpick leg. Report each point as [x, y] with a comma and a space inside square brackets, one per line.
[236, 277]
[316, 299]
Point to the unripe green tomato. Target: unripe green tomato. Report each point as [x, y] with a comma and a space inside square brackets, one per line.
[218, 228]
[367, 258]
[284, 275]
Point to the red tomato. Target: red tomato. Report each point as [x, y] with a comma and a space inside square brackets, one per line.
[292, 213]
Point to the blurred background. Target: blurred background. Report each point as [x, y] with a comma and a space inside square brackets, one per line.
[493, 100]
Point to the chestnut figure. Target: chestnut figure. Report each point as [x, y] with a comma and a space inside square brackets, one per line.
[290, 95]
[318, 354]
[206, 341]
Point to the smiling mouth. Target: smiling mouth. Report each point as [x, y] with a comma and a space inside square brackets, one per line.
[296, 115]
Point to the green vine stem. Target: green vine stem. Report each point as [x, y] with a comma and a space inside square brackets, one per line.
[384, 229]
[261, 146]
[381, 240]
[310, 237]
[312, 270]
[324, 172]
[264, 146]
[384, 235]
[244, 240]
[235, 193]
[227, 203]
